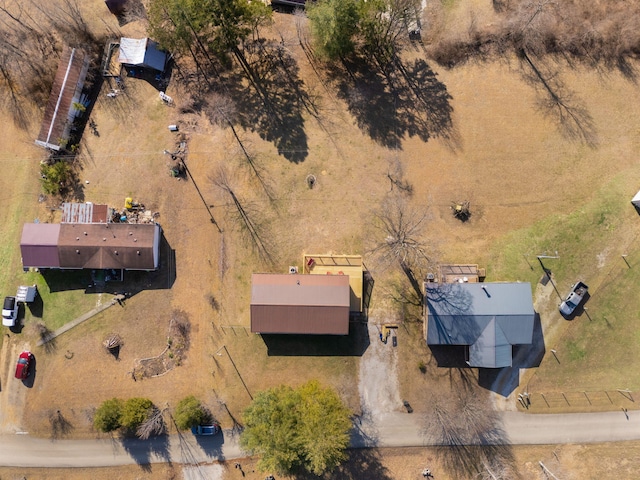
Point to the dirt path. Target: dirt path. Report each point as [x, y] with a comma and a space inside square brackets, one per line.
[13, 390]
[378, 380]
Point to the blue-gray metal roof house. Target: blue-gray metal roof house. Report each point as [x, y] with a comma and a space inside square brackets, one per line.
[487, 318]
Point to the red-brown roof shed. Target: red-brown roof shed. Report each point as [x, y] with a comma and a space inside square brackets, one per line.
[300, 304]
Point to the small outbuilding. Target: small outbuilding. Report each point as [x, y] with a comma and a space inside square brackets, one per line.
[142, 53]
[300, 304]
[332, 264]
[65, 99]
[488, 319]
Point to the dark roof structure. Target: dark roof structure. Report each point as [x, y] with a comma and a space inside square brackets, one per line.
[117, 7]
[300, 304]
[120, 246]
[489, 318]
[65, 92]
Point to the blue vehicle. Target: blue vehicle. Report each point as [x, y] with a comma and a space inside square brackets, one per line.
[206, 429]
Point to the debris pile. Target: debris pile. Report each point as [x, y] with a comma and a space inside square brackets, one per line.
[176, 165]
[133, 212]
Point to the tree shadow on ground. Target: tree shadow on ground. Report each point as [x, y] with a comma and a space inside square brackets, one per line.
[361, 463]
[60, 426]
[469, 437]
[557, 101]
[144, 452]
[273, 101]
[211, 445]
[354, 344]
[404, 99]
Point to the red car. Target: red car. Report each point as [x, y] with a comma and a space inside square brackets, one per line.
[23, 365]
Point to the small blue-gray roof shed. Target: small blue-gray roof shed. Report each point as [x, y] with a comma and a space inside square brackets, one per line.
[489, 318]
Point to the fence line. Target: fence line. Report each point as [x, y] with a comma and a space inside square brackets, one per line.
[578, 399]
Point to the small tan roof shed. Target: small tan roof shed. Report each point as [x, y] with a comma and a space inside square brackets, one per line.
[300, 304]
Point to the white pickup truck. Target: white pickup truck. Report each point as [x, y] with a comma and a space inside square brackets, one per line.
[574, 298]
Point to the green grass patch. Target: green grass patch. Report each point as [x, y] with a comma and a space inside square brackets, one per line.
[575, 351]
[62, 297]
[578, 237]
[596, 354]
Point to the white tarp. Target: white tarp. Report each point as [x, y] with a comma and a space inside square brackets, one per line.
[141, 52]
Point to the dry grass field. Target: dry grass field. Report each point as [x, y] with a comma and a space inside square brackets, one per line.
[525, 181]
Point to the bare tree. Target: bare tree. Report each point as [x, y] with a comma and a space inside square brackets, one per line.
[247, 219]
[154, 424]
[223, 111]
[400, 227]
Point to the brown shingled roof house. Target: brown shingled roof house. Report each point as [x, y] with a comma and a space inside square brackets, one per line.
[65, 94]
[121, 246]
[300, 304]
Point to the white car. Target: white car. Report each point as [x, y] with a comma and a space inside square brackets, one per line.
[9, 311]
[574, 298]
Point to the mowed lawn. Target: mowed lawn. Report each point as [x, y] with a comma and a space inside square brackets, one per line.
[598, 245]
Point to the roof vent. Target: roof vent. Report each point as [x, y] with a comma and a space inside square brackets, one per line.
[130, 233]
[104, 239]
[77, 238]
[85, 233]
[115, 251]
[78, 251]
[293, 269]
[135, 239]
[138, 252]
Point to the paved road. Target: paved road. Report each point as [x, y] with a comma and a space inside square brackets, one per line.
[394, 430]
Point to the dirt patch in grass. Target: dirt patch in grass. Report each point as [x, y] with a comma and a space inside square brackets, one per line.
[174, 353]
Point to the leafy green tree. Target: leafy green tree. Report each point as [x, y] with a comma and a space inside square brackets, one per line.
[189, 412]
[334, 24]
[56, 178]
[135, 411]
[108, 416]
[207, 26]
[305, 428]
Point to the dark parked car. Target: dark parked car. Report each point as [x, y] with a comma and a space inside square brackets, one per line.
[9, 311]
[24, 365]
[206, 429]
